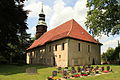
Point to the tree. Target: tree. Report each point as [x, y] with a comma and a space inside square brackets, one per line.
[108, 55]
[111, 54]
[12, 27]
[117, 52]
[103, 17]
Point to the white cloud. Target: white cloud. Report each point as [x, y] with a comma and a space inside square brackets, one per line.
[35, 7]
[64, 13]
[108, 42]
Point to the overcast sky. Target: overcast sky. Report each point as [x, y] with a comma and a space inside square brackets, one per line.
[60, 11]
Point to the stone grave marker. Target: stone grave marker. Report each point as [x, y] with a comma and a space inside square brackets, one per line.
[65, 74]
[73, 70]
[59, 70]
[102, 68]
[31, 70]
[108, 68]
[66, 67]
[54, 73]
[97, 67]
[89, 65]
[78, 69]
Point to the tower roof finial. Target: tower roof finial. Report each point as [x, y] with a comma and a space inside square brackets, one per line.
[42, 7]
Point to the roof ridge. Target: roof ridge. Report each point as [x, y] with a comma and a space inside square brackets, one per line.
[70, 27]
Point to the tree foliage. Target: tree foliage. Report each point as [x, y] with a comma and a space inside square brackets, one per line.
[103, 17]
[112, 54]
[12, 28]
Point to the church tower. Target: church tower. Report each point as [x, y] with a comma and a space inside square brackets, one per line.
[41, 27]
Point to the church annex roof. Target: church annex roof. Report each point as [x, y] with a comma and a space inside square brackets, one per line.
[69, 29]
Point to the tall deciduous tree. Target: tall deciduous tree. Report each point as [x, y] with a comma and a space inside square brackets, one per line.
[112, 54]
[12, 27]
[103, 17]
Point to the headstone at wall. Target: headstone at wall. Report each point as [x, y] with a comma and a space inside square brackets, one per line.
[31, 70]
[54, 73]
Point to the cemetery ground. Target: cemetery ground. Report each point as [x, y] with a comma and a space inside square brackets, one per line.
[18, 72]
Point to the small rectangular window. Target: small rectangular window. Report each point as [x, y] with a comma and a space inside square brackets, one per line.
[63, 46]
[59, 56]
[78, 46]
[56, 47]
[49, 48]
[75, 61]
[88, 48]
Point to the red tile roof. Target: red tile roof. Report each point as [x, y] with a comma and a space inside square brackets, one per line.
[68, 29]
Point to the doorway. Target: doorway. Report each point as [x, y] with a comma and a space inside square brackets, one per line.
[93, 62]
[54, 63]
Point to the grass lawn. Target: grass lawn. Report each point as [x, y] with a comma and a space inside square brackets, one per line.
[14, 72]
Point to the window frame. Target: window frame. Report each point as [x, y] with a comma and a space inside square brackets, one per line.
[56, 47]
[88, 48]
[79, 47]
[50, 48]
[63, 46]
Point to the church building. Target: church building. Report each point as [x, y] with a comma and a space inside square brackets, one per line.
[66, 45]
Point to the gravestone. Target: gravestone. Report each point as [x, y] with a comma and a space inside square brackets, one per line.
[66, 67]
[73, 70]
[102, 68]
[97, 67]
[84, 66]
[78, 69]
[59, 70]
[108, 68]
[31, 70]
[54, 73]
[65, 73]
[89, 65]
[50, 78]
